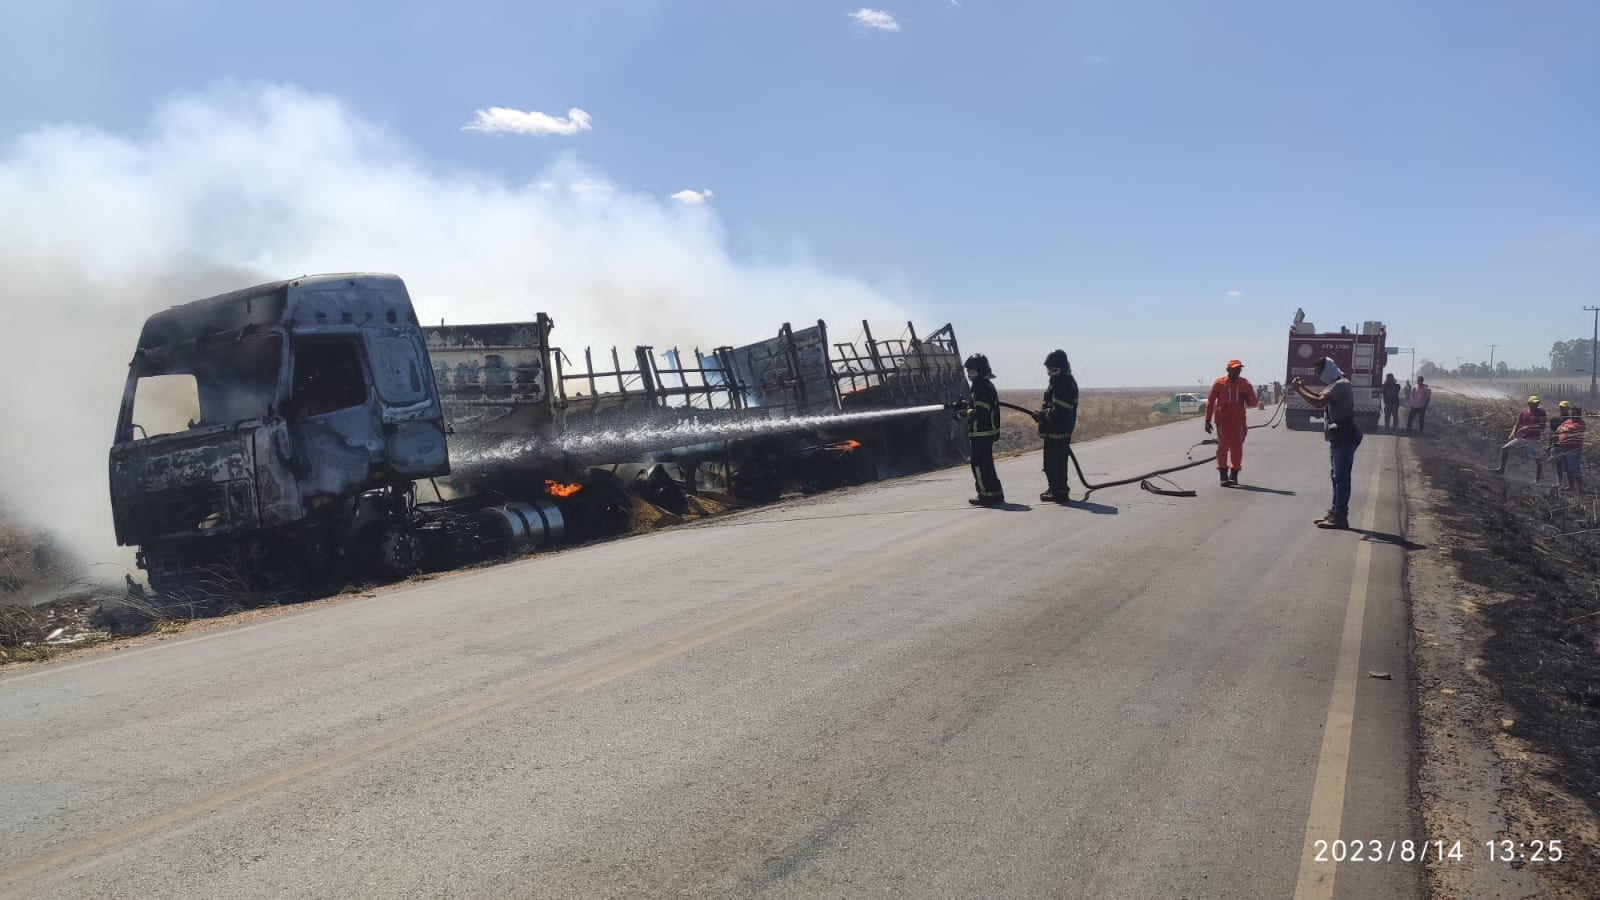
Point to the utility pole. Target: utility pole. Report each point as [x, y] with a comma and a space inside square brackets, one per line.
[1594, 354]
[1491, 359]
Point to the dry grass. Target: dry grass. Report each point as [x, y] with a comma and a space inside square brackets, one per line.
[647, 516]
[30, 564]
[43, 606]
[34, 633]
[1100, 413]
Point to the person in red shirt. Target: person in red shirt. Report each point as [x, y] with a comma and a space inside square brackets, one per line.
[1569, 447]
[1527, 435]
[1417, 404]
[1230, 397]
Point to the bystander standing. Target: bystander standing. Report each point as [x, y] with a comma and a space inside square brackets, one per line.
[1417, 404]
[1569, 447]
[1391, 403]
[1338, 403]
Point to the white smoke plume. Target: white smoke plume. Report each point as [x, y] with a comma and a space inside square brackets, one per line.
[248, 184]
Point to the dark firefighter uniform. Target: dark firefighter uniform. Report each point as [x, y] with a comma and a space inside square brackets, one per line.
[981, 409]
[1056, 421]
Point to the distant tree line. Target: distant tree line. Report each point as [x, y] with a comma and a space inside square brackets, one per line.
[1567, 358]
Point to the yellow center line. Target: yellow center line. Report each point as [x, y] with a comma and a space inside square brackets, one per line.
[1333, 763]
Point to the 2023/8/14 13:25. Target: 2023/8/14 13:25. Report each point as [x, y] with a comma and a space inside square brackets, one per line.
[1376, 850]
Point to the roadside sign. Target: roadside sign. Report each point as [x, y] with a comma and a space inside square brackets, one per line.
[1391, 351]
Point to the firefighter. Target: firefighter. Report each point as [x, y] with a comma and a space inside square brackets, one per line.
[981, 409]
[1056, 421]
[1230, 396]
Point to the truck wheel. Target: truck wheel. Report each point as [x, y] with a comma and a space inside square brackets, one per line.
[1297, 419]
[393, 554]
[603, 509]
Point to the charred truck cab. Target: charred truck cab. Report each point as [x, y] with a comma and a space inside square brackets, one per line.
[275, 432]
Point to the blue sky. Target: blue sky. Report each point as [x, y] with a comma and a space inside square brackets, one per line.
[1154, 187]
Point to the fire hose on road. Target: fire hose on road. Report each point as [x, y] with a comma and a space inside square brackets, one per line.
[1143, 479]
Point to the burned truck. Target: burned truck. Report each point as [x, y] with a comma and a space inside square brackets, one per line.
[275, 430]
[747, 421]
[296, 434]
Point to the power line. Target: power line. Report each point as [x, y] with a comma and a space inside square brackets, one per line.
[1594, 354]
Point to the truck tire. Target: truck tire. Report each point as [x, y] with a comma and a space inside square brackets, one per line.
[1298, 419]
[391, 552]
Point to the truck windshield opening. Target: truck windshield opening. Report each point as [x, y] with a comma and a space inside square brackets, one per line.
[198, 384]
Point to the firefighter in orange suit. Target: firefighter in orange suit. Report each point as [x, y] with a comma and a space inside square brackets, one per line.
[1230, 397]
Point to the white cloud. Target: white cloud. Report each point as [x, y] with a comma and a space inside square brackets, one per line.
[692, 197]
[1235, 293]
[875, 18]
[516, 121]
[241, 186]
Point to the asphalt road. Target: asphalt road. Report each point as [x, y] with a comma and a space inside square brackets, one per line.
[877, 692]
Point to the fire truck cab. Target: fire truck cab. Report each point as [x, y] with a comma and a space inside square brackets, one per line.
[1360, 354]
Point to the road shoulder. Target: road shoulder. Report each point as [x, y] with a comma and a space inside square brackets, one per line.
[1477, 781]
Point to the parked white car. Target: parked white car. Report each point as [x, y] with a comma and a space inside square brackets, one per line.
[1182, 404]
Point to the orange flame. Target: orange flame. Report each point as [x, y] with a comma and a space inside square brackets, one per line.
[560, 489]
[847, 445]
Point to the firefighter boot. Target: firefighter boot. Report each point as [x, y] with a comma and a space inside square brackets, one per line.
[1233, 476]
[1222, 475]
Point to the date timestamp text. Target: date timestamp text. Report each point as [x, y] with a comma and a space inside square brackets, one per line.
[1407, 851]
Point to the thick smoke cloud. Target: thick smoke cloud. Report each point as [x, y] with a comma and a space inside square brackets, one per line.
[252, 184]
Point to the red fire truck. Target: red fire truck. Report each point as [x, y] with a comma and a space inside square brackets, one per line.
[1360, 354]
